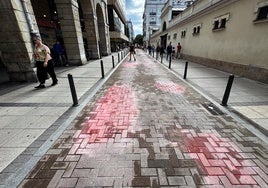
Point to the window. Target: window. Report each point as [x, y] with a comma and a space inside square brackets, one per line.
[152, 23]
[183, 33]
[168, 37]
[196, 29]
[216, 24]
[220, 22]
[223, 23]
[152, 13]
[175, 36]
[262, 13]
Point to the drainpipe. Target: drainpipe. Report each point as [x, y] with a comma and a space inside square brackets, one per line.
[28, 18]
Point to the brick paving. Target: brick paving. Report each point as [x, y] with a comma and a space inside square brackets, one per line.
[147, 128]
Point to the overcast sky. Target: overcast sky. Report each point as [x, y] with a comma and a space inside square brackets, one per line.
[134, 11]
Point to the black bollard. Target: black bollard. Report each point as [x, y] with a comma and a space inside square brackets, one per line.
[121, 55]
[169, 66]
[113, 60]
[102, 69]
[118, 57]
[162, 58]
[185, 70]
[72, 87]
[227, 90]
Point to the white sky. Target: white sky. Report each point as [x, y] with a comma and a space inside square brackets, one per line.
[134, 12]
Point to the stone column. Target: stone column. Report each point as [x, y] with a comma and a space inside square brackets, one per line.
[91, 30]
[15, 42]
[71, 31]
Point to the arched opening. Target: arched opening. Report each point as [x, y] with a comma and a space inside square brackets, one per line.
[48, 23]
[102, 32]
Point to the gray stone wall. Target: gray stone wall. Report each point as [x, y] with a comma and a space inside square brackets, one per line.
[15, 42]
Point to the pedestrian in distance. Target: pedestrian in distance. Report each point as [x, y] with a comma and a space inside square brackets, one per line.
[157, 51]
[149, 49]
[44, 63]
[132, 52]
[59, 51]
[173, 53]
[179, 50]
[169, 50]
[162, 51]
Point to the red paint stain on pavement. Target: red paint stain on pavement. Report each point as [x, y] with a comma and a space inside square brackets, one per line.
[169, 87]
[220, 157]
[130, 64]
[113, 114]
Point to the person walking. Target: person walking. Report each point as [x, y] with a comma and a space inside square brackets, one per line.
[169, 50]
[157, 51]
[179, 50]
[132, 52]
[44, 63]
[58, 49]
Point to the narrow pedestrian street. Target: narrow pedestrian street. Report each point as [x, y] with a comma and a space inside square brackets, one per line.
[147, 128]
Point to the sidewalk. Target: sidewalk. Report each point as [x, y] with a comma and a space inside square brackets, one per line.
[28, 113]
[141, 127]
[248, 98]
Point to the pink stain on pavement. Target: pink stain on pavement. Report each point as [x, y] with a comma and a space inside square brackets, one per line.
[170, 87]
[113, 114]
[220, 157]
[130, 64]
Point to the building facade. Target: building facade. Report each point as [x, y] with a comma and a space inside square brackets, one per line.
[81, 26]
[153, 10]
[230, 35]
[130, 31]
[118, 24]
[151, 17]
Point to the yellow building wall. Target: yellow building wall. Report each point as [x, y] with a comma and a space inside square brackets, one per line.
[242, 42]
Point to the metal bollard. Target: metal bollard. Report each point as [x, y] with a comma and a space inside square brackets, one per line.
[72, 87]
[169, 66]
[162, 58]
[118, 57]
[113, 60]
[102, 69]
[122, 55]
[185, 70]
[227, 90]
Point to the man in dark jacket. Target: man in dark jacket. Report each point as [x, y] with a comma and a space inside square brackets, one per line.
[169, 50]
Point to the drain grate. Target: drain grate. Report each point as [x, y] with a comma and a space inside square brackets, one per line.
[211, 108]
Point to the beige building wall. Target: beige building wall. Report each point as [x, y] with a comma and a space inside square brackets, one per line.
[239, 48]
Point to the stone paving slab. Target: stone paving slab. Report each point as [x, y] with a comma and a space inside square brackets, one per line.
[147, 128]
[246, 95]
[28, 114]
